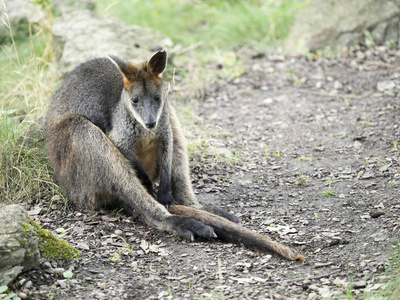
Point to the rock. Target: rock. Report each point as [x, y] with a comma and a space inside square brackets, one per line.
[376, 213]
[62, 7]
[19, 249]
[382, 86]
[79, 36]
[118, 232]
[18, 14]
[21, 14]
[337, 85]
[28, 285]
[57, 270]
[62, 283]
[343, 23]
[313, 288]
[82, 246]
[359, 284]
[22, 295]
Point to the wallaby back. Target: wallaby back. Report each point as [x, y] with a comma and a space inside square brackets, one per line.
[92, 90]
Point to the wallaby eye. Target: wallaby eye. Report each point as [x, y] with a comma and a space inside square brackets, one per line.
[135, 100]
[157, 97]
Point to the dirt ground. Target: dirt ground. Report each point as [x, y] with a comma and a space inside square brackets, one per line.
[317, 145]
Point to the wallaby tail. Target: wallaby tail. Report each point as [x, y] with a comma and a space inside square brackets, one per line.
[231, 232]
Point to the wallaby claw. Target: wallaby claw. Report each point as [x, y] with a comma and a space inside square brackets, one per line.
[190, 228]
[171, 204]
[166, 200]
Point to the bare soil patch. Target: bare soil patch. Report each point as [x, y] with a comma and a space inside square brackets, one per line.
[317, 143]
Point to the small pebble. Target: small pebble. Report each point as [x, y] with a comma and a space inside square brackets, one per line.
[376, 213]
[82, 246]
[58, 270]
[22, 281]
[22, 295]
[359, 284]
[313, 288]
[381, 268]
[337, 85]
[62, 283]
[28, 285]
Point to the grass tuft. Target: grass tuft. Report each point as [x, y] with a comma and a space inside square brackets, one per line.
[26, 84]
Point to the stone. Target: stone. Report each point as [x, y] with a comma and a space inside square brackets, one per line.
[337, 85]
[22, 295]
[62, 283]
[62, 7]
[19, 249]
[79, 36]
[382, 86]
[18, 14]
[359, 284]
[343, 23]
[23, 15]
[118, 232]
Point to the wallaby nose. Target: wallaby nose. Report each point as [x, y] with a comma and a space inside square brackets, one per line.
[151, 124]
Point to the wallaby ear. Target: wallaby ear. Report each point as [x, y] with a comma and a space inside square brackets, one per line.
[158, 62]
[127, 69]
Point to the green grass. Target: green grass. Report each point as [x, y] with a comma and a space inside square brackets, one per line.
[327, 193]
[222, 24]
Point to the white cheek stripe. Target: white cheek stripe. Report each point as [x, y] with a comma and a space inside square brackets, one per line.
[160, 110]
[137, 116]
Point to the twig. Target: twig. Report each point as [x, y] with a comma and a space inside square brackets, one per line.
[380, 64]
[321, 265]
[188, 49]
[304, 278]
[337, 95]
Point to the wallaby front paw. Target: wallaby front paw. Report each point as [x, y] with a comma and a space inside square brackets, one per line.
[166, 199]
[189, 228]
[220, 212]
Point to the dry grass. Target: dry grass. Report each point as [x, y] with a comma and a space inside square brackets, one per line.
[26, 84]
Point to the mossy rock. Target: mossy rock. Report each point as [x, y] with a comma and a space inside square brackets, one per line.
[52, 247]
[22, 241]
[19, 249]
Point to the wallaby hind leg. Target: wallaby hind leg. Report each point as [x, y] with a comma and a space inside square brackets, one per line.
[89, 166]
[182, 190]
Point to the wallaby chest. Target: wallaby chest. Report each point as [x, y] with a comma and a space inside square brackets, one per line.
[146, 150]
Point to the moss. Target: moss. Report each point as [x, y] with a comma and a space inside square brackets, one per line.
[26, 227]
[52, 247]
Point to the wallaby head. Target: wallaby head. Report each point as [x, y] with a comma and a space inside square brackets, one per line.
[143, 93]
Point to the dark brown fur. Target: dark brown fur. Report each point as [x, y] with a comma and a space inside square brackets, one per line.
[112, 135]
[104, 155]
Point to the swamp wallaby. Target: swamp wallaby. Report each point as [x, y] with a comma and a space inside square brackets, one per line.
[112, 136]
